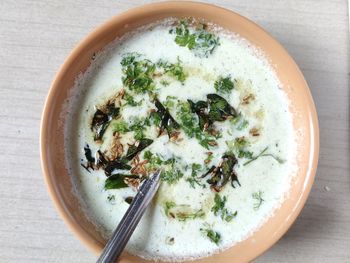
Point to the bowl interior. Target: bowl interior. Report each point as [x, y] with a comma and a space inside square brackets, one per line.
[302, 108]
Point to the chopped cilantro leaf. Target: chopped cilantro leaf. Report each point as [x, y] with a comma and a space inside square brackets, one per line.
[223, 85]
[219, 208]
[138, 127]
[193, 179]
[171, 176]
[130, 100]
[138, 73]
[214, 236]
[164, 82]
[175, 70]
[189, 124]
[120, 126]
[259, 200]
[200, 41]
[170, 173]
[263, 153]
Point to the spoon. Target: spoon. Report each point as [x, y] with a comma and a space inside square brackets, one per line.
[127, 225]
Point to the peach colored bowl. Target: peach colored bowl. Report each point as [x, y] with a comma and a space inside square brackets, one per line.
[302, 107]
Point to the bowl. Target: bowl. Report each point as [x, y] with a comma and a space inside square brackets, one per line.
[303, 111]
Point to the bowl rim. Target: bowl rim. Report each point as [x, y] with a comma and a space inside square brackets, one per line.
[50, 185]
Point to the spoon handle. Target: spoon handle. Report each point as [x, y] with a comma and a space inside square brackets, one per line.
[127, 225]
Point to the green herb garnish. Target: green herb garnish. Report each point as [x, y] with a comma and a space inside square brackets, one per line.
[120, 126]
[170, 102]
[138, 73]
[193, 179]
[214, 236]
[129, 99]
[164, 82]
[242, 125]
[240, 145]
[175, 70]
[190, 126]
[259, 200]
[138, 127]
[219, 208]
[170, 173]
[200, 41]
[224, 85]
[263, 153]
[116, 181]
[245, 154]
[154, 160]
[171, 176]
[111, 199]
[155, 118]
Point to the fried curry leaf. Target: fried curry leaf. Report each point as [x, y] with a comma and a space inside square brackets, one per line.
[214, 109]
[129, 199]
[118, 164]
[219, 109]
[100, 161]
[88, 154]
[200, 108]
[137, 147]
[116, 181]
[167, 123]
[220, 175]
[102, 118]
[90, 160]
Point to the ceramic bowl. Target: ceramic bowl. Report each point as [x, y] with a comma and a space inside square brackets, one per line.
[59, 183]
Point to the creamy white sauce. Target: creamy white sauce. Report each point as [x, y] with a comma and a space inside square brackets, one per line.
[269, 111]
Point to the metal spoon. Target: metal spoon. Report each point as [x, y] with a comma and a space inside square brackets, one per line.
[127, 225]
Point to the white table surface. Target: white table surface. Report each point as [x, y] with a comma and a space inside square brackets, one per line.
[37, 35]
